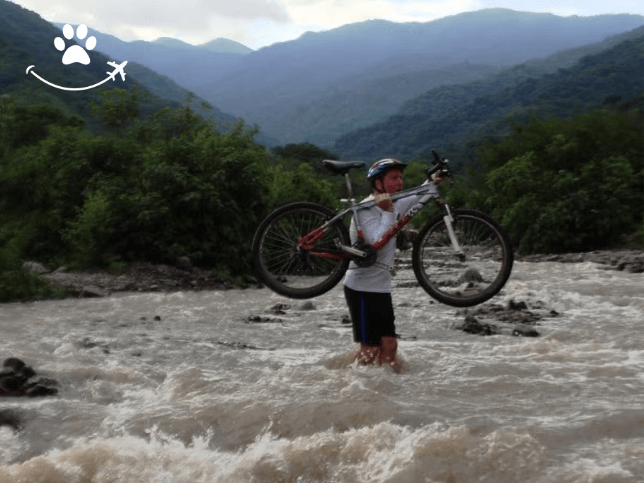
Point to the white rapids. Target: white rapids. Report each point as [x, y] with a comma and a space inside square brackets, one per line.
[205, 395]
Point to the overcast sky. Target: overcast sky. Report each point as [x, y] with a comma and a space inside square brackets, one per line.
[257, 23]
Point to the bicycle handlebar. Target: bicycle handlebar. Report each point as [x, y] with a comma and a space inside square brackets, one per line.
[439, 165]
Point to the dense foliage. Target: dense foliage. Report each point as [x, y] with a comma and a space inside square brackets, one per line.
[152, 189]
[109, 176]
[565, 185]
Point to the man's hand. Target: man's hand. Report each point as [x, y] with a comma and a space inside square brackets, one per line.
[383, 200]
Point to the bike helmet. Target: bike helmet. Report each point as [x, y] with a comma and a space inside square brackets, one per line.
[380, 168]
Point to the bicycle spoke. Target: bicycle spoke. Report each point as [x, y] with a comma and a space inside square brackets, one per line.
[290, 269]
[463, 283]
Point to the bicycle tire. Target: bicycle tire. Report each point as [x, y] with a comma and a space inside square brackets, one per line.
[286, 270]
[488, 259]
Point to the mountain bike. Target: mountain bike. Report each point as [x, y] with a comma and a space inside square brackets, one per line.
[461, 257]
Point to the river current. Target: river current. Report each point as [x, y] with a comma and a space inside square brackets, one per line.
[220, 388]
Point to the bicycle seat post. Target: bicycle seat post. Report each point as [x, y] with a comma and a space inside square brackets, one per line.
[352, 201]
[349, 190]
[343, 167]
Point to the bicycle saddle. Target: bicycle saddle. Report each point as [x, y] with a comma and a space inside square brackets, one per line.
[341, 167]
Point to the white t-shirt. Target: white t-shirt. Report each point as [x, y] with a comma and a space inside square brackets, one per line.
[375, 222]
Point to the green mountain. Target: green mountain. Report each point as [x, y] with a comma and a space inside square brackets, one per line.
[187, 65]
[453, 116]
[351, 76]
[218, 45]
[225, 46]
[358, 101]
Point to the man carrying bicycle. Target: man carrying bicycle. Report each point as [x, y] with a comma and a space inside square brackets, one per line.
[368, 290]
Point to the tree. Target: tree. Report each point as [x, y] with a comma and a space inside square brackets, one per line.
[568, 185]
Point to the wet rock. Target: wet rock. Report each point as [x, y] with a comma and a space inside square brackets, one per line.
[632, 266]
[346, 319]
[41, 390]
[17, 379]
[524, 331]
[61, 269]
[242, 346]
[35, 267]
[279, 309]
[515, 319]
[256, 319]
[473, 326]
[157, 318]
[515, 313]
[512, 305]
[88, 343]
[10, 418]
[308, 306]
[13, 364]
[471, 275]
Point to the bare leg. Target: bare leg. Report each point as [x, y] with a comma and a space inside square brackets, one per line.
[388, 353]
[389, 348]
[368, 354]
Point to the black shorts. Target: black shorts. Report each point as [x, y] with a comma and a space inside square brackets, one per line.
[372, 315]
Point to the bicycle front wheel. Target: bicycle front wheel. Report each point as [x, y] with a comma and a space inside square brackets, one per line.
[288, 269]
[469, 280]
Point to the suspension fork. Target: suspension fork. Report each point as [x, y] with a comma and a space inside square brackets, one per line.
[449, 219]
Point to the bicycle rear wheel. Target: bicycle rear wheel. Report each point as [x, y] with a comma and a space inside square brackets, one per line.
[289, 270]
[468, 281]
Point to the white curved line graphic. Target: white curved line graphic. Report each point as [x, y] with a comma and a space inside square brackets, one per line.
[67, 88]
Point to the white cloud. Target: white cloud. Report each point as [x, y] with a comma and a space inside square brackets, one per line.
[188, 19]
[257, 23]
[333, 13]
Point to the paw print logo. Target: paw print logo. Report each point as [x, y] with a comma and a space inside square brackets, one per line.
[75, 53]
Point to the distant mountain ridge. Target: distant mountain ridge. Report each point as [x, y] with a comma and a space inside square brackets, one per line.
[325, 85]
[452, 115]
[276, 86]
[187, 65]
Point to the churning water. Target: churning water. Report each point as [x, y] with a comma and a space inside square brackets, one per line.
[206, 395]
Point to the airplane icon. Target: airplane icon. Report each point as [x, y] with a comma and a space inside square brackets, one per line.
[118, 69]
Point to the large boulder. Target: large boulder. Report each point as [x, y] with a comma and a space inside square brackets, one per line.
[10, 418]
[34, 267]
[18, 379]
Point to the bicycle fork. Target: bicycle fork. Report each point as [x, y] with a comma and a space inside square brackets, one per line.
[449, 219]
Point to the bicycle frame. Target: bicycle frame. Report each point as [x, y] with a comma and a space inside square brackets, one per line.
[428, 190]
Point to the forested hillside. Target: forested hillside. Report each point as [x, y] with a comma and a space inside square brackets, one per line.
[26, 39]
[187, 65]
[107, 177]
[565, 185]
[357, 73]
[453, 115]
[359, 101]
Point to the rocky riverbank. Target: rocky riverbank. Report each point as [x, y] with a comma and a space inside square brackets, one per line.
[147, 277]
[630, 260]
[138, 277]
